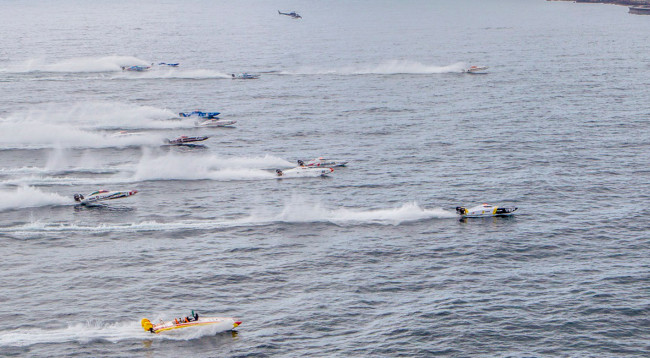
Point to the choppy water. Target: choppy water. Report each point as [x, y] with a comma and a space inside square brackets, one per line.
[371, 261]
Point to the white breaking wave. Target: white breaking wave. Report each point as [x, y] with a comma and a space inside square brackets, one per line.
[29, 197]
[77, 64]
[386, 68]
[93, 331]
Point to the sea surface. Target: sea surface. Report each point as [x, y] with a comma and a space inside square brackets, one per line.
[371, 261]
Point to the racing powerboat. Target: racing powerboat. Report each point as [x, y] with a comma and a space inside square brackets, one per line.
[199, 114]
[293, 14]
[244, 76]
[212, 325]
[102, 195]
[136, 68]
[301, 172]
[168, 64]
[484, 211]
[215, 122]
[323, 162]
[476, 69]
[185, 139]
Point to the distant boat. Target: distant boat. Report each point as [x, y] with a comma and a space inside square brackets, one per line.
[640, 10]
[476, 69]
[245, 76]
[185, 139]
[200, 114]
[136, 68]
[293, 14]
[215, 122]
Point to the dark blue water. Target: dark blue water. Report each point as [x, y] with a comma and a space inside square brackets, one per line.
[370, 261]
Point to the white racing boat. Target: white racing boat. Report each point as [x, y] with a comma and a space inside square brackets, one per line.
[215, 122]
[102, 195]
[323, 162]
[485, 211]
[476, 69]
[186, 140]
[303, 172]
[210, 325]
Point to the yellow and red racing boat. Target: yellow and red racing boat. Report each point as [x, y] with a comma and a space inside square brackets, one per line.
[212, 324]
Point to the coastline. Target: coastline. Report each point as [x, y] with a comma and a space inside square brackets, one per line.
[636, 7]
[613, 2]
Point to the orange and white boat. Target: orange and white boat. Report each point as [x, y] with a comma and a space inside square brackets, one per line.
[212, 325]
[476, 69]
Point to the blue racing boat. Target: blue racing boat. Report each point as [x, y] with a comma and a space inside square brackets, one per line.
[136, 68]
[244, 76]
[197, 113]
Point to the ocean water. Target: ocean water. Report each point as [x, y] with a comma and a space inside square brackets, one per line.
[371, 261]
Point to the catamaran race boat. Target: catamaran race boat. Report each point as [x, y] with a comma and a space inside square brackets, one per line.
[168, 64]
[245, 76]
[476, 69]
[484, 211]
[136, 68]
[301, 172]
[293, 14]
[323, 162]
[199, 114]
[215, 122]
[185, 139]
[102, 195]
[212, 325]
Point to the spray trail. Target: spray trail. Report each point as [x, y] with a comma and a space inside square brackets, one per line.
[29, 197]
[151, 167]
[386, 68]
[86, 125]
[75, 65]
[162, 73]
[89, 332]
[206, 167]
[296, 211]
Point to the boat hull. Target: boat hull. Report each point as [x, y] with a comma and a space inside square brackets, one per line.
[204, 325]
[185, 140]
[103, 195]
[485, 211]
[329, 163]
[200, 114]
[476, 69]
[245, 76]
[303, 172]
[215, 123]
